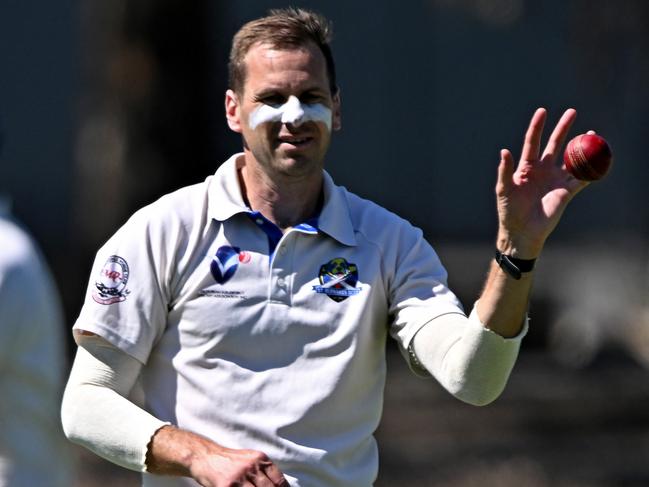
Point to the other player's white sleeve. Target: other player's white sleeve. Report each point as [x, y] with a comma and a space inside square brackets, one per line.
[470, 361]
[95, 411]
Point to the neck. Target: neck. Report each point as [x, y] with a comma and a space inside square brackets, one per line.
[284, 200]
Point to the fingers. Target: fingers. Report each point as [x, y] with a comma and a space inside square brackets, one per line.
[275, 475]
[267, 474]
[226, 466]
[260, 482]
[532, 143]
[559, 134]
[263, 481]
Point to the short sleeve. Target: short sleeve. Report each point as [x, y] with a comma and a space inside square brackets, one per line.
[418, 290]
[126, 299]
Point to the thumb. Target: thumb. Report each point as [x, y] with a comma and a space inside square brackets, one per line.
[505, 172]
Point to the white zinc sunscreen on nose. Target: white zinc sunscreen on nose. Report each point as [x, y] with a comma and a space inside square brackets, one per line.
[293, 112]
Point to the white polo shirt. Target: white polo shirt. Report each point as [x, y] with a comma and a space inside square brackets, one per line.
[264, 340]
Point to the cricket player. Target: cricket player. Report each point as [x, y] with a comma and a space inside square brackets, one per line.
[253, 308]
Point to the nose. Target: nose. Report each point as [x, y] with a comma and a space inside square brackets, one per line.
[293, 112]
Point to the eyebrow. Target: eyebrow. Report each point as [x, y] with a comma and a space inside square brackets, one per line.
[280, 91]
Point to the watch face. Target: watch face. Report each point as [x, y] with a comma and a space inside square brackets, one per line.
[507, 265]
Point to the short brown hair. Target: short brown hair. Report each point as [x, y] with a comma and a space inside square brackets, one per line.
[281, 28]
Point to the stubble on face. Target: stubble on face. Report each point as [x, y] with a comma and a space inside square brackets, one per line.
[272, 77]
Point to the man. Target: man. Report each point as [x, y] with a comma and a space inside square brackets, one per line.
[31, 365]
[254, 307]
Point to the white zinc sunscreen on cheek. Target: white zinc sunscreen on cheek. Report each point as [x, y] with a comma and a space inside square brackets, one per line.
[293, 112]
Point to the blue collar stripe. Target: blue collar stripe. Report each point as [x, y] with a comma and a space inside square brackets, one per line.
[274, 234]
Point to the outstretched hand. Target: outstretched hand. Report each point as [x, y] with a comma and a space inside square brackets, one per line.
[532, 196]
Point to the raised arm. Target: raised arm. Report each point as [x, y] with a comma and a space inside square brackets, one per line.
[531, 197]
[472, 358]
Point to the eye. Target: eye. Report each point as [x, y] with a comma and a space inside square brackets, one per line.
[273, 100]
[311, 98]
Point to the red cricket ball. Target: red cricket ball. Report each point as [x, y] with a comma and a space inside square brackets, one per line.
[588, 157]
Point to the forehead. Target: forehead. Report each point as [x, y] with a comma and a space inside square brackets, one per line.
[287, 67]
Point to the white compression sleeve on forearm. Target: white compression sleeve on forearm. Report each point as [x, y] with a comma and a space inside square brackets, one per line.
[96, 412]
[472, 362]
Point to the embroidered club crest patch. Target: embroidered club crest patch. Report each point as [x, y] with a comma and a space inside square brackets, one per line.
[111, 286]
[224, 264]
[338, 279]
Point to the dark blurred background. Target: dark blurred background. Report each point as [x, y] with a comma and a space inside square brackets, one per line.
[105, 106]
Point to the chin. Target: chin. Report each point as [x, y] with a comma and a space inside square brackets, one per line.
[297, 165]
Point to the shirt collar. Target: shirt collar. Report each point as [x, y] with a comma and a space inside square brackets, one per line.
[226, 200]
[335, 218]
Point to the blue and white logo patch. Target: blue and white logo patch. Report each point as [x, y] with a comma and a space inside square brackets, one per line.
[338, 279]
[224, 264]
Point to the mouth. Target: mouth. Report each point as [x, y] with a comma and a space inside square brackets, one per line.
[293, 141]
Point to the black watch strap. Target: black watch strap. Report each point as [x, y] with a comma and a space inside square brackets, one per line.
[513, 266]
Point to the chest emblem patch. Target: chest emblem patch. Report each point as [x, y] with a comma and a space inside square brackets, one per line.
[338, 279]
[225, 263]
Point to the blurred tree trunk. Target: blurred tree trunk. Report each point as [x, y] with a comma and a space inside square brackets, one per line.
[145, 114]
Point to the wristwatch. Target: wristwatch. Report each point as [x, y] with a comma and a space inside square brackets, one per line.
[513, 266]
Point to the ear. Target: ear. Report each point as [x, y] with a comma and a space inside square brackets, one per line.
[336, 112]
[233, 111]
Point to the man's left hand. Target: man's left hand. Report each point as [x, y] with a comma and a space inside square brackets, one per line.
[532, 196]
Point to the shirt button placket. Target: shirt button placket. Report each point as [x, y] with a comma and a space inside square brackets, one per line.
[280, 278]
